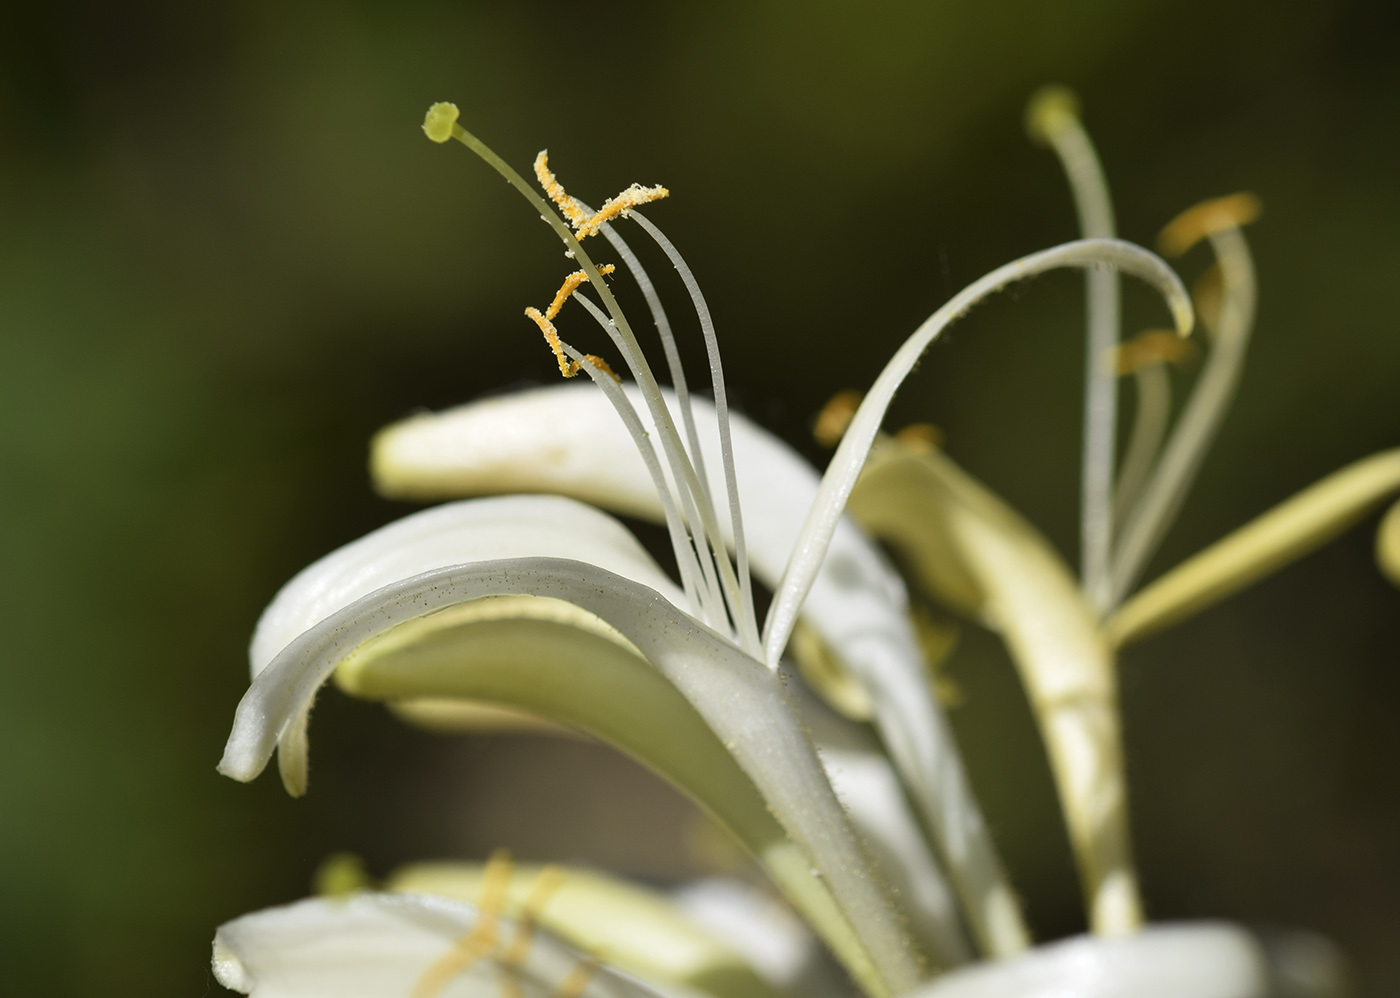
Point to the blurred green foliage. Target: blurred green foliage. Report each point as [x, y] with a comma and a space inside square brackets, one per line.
[227, 255]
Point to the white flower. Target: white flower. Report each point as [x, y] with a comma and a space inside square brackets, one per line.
[547, 604]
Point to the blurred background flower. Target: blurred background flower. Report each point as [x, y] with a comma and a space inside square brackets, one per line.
[227, 256]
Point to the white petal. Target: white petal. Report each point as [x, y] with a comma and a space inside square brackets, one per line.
[857, 603]
[453, 534]
[739, 699]
[1200, 959]
[377, 945]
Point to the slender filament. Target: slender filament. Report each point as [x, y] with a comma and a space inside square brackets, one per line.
[809, 551]
[1157, 507]
[1054, 120]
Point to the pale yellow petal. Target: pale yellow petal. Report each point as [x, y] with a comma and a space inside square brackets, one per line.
[1264, 545]
[948, 526]
[638, 930]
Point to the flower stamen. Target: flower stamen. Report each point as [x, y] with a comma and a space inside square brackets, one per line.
[483, 936]
[571, 284]
[573, 985]
[1207, 218]
[634, 197]
[1155, 346]
[542, 890]
[554, 190]
[1052, 119]
[568, 368]
[831, 422]
[1230, 305]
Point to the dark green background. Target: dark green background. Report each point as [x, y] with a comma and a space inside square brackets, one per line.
[227, 255]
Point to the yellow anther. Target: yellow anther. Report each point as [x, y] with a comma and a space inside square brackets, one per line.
[1156, 346]
[483, 937]
[1208, 295]
[603, 366]
[1194, 224]
[572, 210]
[922, 438]
[584, 224]
[830, 425]
[570, 285]
[568, 368]
[438, 122]
[542, 890]
[573, 985]
[1049, 111]
[634, 197]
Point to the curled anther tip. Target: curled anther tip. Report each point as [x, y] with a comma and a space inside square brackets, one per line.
[1050, 109]
[1155, 346]
[831, 423]
[920, 438]
[438, 122]
[1207, 218]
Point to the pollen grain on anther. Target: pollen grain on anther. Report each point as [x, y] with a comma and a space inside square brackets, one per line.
[830, 425]
[541, 891]
[571, 284]
[555, 190]
[1155, 346]
[634, 197]
[568, 368]
[573, 985]
[482, 938]
[1206, 218]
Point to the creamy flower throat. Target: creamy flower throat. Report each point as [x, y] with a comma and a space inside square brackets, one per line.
[537, 602]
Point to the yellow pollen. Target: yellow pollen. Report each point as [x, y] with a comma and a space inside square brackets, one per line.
[830, 425]
[482, 939]
[572, 210]
[1208, 295]
[573, 985]
[1216, 215]
[542, 890]
[1156, 346]
[921, 438]
[571, 284]
[634, 197]
[602, 365]
[568, 368]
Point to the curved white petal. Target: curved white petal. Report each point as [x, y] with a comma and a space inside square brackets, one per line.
[453, 534]
[375, 945]
[740, 700]
[566, 438]
[1200, 959]
[866, 784]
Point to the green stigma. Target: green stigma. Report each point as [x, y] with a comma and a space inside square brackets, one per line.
[438, 122]
[1049, 110]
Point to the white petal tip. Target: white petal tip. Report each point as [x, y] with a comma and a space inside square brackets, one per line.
[229, 970]
[236, 766]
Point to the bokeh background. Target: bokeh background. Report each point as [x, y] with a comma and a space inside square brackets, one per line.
[228, 255]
